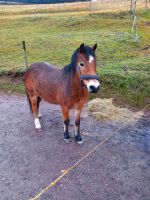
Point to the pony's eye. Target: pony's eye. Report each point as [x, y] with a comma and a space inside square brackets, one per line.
[81, 64]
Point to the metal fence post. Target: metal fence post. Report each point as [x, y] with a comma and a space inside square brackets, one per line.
[25, 54]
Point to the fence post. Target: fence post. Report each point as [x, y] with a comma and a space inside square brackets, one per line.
[25, 54]
[134, 14]
[90, 7]
[146, 2]
[134, 24]
[131, 6]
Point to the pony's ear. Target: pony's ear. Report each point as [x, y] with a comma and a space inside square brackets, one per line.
[81, 48]
[94, 47]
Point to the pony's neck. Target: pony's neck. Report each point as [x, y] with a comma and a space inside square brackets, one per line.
[71, 68]
[71, 76]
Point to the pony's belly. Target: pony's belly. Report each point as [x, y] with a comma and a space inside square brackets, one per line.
[50, 99]
[47, 91]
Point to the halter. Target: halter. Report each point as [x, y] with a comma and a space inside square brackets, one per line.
[86, 77]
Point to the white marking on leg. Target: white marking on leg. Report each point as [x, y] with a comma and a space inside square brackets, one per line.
[37, 123]
[76, 130]
[91, 58]
[65, 128]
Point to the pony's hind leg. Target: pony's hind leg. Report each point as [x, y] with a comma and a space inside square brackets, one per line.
[78, 137]
[35, 111]
[38, 105]
[65, 113]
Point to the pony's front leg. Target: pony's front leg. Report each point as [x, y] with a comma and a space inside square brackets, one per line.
[65, 113]
[78, 137]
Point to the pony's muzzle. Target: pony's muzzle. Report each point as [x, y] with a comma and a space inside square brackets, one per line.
[93, 86]
[94, 89]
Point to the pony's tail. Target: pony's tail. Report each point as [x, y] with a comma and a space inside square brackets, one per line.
[28, 99]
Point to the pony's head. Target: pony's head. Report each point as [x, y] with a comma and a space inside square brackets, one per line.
[86, 67]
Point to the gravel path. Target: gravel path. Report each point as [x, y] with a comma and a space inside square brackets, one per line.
[29, 160]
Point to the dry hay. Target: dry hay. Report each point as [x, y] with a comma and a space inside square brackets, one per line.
[105, 110]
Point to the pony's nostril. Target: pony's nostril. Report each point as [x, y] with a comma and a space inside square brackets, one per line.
[92, 88]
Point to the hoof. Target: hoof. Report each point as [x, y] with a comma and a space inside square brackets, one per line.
[79, 142]
[67, 140]
[38, 129]
[78, 139]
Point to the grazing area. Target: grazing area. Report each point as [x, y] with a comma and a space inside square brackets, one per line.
[122, 63]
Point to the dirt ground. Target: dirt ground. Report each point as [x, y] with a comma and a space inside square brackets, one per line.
[30, 160]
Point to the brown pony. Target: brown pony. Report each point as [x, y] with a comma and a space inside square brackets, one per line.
[69, 87]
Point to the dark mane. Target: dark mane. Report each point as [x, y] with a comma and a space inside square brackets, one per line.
[72, 66]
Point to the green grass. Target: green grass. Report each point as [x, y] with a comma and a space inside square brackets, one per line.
[10, 85]
[54, 38]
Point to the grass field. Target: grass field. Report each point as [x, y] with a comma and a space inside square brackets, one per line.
[54, 37]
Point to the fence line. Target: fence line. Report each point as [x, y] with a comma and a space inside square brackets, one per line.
[90, 6]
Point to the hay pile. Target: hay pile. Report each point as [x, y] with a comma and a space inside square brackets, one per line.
[105, 110]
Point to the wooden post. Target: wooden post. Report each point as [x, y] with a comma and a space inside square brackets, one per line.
[146, 2]
[90, 7]
[134, 24]
[134, 15]
[25, 54]
[131, 6]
